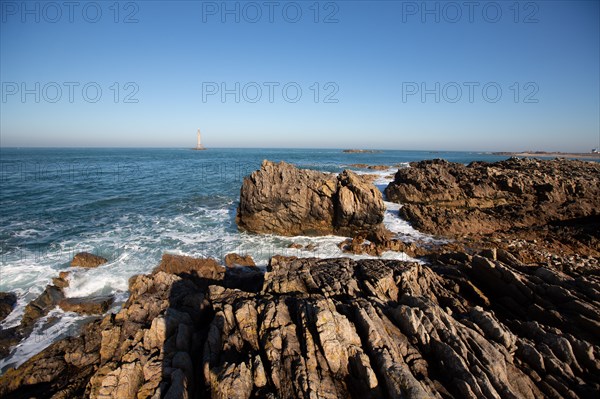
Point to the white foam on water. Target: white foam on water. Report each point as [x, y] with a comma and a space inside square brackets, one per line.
[135, 244]
[402, 228]
[391, 219]
[26, 276]
[262, 248]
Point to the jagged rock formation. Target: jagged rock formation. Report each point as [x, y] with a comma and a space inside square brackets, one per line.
[482, 326]
[525, 197]
[128, 354]
[282, 199]
[359, 246]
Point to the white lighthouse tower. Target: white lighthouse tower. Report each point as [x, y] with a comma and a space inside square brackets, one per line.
[199, 145]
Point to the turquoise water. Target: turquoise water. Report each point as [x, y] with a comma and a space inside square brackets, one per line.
[133, 205]
[60, 198]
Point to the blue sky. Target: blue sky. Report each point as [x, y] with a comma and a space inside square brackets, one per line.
[501, 75]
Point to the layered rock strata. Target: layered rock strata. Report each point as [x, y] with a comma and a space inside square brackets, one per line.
[483, 326]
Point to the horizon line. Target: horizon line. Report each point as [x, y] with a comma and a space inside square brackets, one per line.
[256, 148]
[298, 148]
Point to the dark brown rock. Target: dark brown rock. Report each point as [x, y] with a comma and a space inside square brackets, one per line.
[206, 271]
[372, 167]
[9, 337]
[7, 303]
[310, 247]
[245, 278]
[282, 199]
[515, 192]
[87, 305]
[86, 259]
[40, 306]
[234, 259]
[61, 281]
[556, 202]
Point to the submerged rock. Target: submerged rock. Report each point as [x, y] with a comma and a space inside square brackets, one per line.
[62, 280]
[372, 167]
[282, 199]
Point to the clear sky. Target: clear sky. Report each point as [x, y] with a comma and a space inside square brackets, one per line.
[462, 75]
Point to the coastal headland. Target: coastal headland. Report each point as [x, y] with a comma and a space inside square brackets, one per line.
[503, 303]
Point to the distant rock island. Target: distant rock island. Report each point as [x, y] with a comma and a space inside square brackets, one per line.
[354, 151]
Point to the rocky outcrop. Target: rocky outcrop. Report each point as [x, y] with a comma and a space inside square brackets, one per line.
[358, 206]
[234, 259]
[86, 259]
[282, 199]
[467, 326]
[471, 323]
[40, 306]
[138, 352]
[87, 305]
[360, 246]
[527, 197]
[202, 271]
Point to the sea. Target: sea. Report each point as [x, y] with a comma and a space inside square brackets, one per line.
[134, 205]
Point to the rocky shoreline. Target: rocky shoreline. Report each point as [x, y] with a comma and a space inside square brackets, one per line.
[508, 308]
[552, 206]
[545, 154]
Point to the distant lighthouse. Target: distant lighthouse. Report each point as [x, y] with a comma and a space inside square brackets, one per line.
[199, 145]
